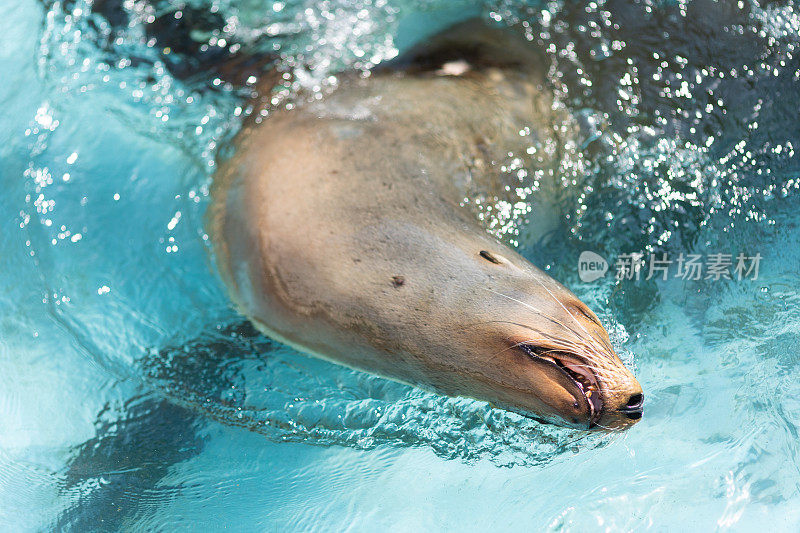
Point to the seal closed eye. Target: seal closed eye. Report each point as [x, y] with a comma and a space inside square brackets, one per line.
[490, 257]
[376, 171]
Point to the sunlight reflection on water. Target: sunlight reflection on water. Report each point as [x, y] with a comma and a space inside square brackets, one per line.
[127, 378]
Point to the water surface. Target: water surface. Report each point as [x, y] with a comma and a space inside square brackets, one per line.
[133, 397]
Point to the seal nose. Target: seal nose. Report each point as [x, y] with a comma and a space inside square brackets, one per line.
[633, 407]
[635, 401]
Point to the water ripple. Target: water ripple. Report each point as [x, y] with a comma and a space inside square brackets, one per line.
[241, 378]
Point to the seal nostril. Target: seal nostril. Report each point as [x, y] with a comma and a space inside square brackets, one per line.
[634, 415]
[635, 401]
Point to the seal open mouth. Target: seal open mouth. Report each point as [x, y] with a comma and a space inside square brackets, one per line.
[575, 369]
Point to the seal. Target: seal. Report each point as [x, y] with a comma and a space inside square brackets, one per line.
[338, 229]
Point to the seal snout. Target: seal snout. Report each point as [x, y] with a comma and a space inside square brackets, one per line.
[585, 387]
[624, 405]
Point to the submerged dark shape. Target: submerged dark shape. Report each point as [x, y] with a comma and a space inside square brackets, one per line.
[189, 38]
[110, 475]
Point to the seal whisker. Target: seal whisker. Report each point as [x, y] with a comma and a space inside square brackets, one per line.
[591, 335]
[564, 345]
[529, 306]
[600, 343]
[559, 345]
[511, 347]
[562, 305]
[612, 430]
[539, 311]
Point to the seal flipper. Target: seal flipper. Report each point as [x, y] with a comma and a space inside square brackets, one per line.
[475, 44]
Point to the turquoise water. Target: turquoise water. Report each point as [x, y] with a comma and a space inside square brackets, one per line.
[133, 398]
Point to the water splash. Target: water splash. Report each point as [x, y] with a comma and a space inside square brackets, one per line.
[659, 138]
[687, 138]
[235, 375]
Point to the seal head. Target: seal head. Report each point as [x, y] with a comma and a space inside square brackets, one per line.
[567, 371]
[337, 229]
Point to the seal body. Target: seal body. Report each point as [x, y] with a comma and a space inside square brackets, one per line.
[338, 228]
